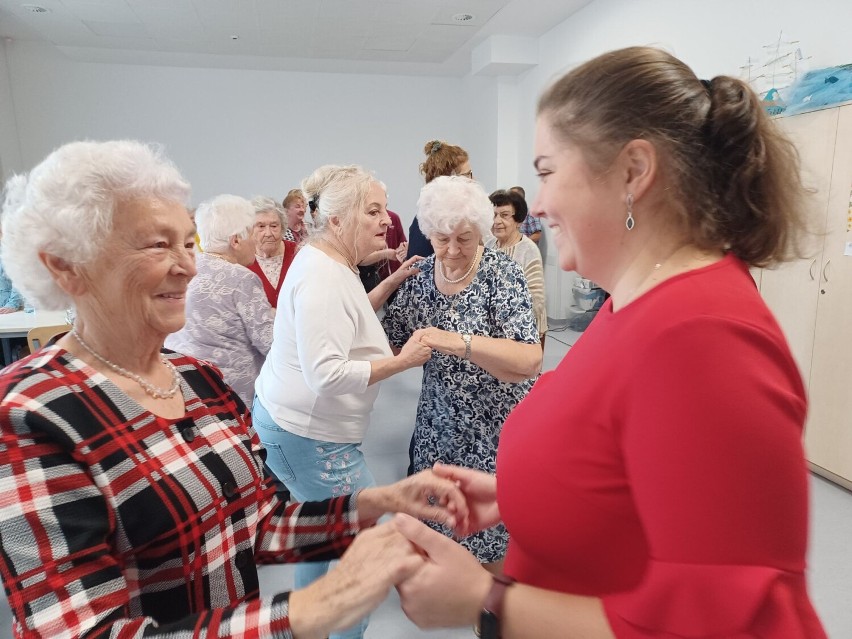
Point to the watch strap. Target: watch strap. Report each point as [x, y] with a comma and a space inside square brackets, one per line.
[494, 600]
[467, 337]
[492, 609]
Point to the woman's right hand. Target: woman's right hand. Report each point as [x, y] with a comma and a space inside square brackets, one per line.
[480, 491]
[378, 559]
[450, 587]
[414, 352]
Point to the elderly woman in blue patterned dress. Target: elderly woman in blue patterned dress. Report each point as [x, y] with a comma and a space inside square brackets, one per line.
[228, 318]
[132, 495]
[478, 315]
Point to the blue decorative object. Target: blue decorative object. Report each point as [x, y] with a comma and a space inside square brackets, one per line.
[819, 88]
[773, 103]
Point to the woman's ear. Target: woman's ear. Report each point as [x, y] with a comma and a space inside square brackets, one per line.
[66, 275]
[638, 164]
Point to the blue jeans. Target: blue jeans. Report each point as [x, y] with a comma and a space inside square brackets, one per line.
[312, 470]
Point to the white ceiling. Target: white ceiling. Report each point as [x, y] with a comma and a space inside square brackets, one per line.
[366, 36]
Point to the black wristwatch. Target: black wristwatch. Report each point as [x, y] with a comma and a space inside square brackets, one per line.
[489, 617]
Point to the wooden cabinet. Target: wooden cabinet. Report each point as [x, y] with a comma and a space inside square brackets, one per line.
[812, 298]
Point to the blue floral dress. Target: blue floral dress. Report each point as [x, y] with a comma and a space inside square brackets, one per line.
[462, 407]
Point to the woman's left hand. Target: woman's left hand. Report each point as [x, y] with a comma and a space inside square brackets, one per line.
[443, 341]
[424, 496]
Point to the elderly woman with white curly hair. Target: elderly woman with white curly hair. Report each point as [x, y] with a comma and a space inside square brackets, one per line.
[133, 495]
[228, 318]
[472, 306]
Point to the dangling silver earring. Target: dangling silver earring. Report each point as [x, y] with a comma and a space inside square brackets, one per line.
[630, 222]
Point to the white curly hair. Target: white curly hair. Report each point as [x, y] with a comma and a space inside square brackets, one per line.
[65, 207]
[448, 201]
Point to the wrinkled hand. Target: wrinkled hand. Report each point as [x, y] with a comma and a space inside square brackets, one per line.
[443, 341]
[406, 270]
[7, 309]
[414, 352]
[449, 588]
[401, 252]
[378, 558]
[423, 495]
[480, 491]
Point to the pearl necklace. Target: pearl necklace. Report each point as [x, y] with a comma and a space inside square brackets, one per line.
[148, 387]
[443, 273]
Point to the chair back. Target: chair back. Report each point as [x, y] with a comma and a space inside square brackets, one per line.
[41, 336]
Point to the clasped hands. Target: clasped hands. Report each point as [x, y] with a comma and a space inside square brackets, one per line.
[439, 582]
[447, 342]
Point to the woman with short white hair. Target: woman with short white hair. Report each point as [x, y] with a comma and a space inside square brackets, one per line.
[273, 253]
[318, 385]
[134, 497]
[228, 318]
[472, 306]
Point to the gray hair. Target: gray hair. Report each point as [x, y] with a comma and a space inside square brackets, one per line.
[339, 191]
[448, 201]
[66, 205]
[221, 218]
[263, 204]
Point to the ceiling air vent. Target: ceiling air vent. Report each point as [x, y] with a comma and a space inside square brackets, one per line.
[463, 17]
[34, 8]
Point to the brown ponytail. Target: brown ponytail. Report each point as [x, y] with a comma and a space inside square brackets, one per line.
[441, 159]
[734, 178]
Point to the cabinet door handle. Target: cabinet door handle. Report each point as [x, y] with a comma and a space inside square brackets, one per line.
[825, 271]
[811, 270]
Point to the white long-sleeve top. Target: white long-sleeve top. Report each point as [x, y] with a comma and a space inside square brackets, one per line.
[314, 380]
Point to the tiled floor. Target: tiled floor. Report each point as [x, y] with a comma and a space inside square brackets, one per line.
[387, 450]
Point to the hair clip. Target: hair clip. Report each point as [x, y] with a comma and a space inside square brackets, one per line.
[436, 146]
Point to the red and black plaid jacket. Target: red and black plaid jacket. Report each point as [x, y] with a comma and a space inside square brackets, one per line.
[116, 522]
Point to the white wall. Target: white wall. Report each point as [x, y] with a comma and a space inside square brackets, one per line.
[251, 132]
[244, 132]
[10, 150]
[714, 38]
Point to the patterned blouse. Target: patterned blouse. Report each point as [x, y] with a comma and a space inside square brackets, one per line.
[462, 407]
[526, 253]
[228, 322]
[114, 521]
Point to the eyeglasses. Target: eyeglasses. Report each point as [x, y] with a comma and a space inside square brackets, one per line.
[468, 175]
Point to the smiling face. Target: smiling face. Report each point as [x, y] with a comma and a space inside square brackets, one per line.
[583, 209]
[140, 278]
[504, 226]
[267, 233]
[296, 215]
